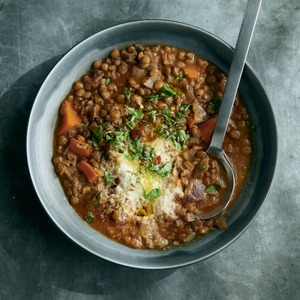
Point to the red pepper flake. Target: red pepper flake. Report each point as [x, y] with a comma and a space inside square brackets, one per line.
[135, 133]
[157, 160]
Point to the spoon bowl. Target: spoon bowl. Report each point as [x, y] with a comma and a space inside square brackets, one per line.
[230, 184]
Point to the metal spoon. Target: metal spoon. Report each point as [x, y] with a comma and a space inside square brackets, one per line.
[236, 69]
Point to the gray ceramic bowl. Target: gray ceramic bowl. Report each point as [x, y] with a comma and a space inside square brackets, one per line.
[74, 64]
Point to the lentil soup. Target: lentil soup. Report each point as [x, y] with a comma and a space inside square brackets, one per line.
[130, 141]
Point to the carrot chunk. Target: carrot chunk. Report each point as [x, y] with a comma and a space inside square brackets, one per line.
[191, 72]
[206, 129]
[80, 148]
[69, 117]
[89, 171]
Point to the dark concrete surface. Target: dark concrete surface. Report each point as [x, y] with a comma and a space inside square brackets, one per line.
[37, 261]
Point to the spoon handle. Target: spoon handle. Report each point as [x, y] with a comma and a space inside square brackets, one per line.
[235, 74]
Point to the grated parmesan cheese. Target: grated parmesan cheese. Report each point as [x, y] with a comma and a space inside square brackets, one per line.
[136, 180]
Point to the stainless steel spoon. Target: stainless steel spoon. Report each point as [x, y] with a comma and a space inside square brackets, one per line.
[236, 69]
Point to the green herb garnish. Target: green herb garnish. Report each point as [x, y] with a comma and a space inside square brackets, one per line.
[212, 188]
[163, 170]
[97, 199]
[164, 92]
[123, 141]
[116, 138]
[167, 92]
[139, 151]
[180, 77]
[166, 112]
[127, 94]
[96, 202]
[162, 131]
[99, 132]
[182, 110]
[215, 104]
[107, 81]
[179, 138]
[167, 115]
[153, 97]
[171, 130]
[153, 194]
[108, 178]
[135, 116]
[94, 142]
[184, 107]
[203, 167]
[89, 219]
[151, 114]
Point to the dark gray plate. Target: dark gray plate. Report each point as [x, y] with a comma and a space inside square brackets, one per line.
[74, 64]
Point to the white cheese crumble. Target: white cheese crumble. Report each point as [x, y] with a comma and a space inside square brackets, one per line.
[136, 180]
[165, 149]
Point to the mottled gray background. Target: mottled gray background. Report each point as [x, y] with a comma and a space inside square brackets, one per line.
[38, 262]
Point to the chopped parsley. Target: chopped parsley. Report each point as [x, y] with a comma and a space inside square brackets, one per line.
[139, 151]
[215, 104]
[162, 170]
[163, 131]
[153, 194]
[152, 115]
[179, 138]
[166, 112]
[167, 92]
[94, 142]
[97, 199]
[108, 178]
[164, 92]
[180, 77]
[203, 167]
[184, 107]
[122, 141]
[154, 97]
[89, 219]
[135, 116]
[171, 129]
[98, 132]
[116, 138]
[127, 94]
[132, 145]
[212, 188]
[107, 81]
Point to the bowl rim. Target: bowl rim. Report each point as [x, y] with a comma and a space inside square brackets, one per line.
[31, 125]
